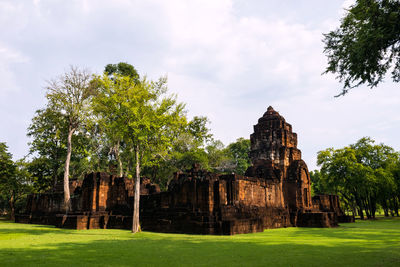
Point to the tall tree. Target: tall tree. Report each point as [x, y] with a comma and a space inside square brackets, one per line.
[112, 133]
[366, 45]
[48, 131]
[14, 179]
[70, 95]
[147, 118]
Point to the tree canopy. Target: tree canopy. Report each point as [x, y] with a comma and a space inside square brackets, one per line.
[69, 95]
[364, 175]
[366, 45]
[143, 115]
[123, 69]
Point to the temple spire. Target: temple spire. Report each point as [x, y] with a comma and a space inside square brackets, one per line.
[273, 140]
[270, 111]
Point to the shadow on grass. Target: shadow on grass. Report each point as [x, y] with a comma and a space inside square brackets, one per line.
[4, 219]
[9, 227]
[34, 230]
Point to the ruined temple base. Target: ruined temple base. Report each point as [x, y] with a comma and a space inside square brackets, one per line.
[226, 221]
[316, 219]
[46, 219]
[93, 221]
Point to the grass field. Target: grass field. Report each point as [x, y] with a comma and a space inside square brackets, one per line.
[364, 243]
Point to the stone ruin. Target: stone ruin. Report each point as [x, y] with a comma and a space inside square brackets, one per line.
[275, 192]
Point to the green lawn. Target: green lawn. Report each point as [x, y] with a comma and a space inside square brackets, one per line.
[364, 243]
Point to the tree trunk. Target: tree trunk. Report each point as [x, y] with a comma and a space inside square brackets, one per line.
[359, 206]
[366, 207]
[55, 180]
[361, 213]
[121, 169]
[67, 197]
[372, 203]
[12, 207]
[135, 223]
[392, 206]
[396, 206]
[385, 208]
[386, 212]
[129, 163]
[367, 213]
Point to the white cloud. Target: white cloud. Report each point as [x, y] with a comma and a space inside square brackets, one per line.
[346, 4]
[8, 57]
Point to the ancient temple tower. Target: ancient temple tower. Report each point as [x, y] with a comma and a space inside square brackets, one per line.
[274, 155]
[273, 140]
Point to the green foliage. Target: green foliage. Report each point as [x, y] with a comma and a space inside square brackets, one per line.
[98, 150]
[15, 181]
[362, 174]
[217, 157]
[197, 128]
[364, 243]
[317, 184]
[366, 45]
[238, 152]
[48, 131]
[140, 114]
[123, 69]
[7, 166]
[43, 175]
[187, 149]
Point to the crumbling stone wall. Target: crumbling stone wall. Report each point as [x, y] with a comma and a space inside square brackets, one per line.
[330, 203]
[218, 204]
[101, 200]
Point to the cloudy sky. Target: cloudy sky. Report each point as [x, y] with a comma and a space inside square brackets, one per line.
[227, 60]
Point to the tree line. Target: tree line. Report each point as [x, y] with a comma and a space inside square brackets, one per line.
[365, 175]
[115, 122]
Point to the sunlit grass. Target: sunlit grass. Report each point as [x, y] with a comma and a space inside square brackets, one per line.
[364, 243]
